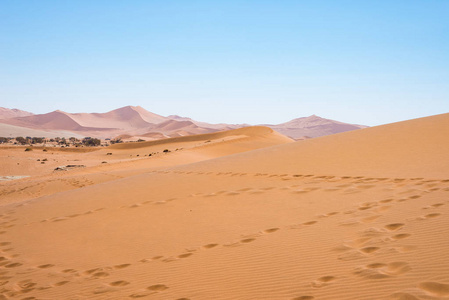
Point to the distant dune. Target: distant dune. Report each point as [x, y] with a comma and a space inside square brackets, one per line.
[313, 126]
[240, 214]
[135, 122]
[6, 113]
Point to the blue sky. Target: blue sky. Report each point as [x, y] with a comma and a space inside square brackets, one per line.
[365, 62]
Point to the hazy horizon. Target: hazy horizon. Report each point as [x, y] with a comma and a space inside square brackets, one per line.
[228, 62]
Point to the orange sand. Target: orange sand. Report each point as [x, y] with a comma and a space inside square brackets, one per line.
[246, 214]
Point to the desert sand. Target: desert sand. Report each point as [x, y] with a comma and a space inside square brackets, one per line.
[242, 214]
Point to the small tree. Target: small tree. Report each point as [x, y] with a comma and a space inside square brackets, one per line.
[37, 140]
[91, 142]
[21, 140]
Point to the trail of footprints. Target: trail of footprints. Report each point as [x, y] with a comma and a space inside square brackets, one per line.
[353, 184]
[368, 244]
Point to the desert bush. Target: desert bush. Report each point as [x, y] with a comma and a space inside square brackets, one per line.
[29, 149]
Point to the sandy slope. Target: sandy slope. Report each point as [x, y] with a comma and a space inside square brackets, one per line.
[7, 130]
[359, 215]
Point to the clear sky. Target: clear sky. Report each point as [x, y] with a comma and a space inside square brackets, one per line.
[365, 62]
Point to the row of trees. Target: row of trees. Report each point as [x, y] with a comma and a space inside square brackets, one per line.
[87, 141]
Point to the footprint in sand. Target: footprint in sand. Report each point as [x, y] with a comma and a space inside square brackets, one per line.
[122, 266]
[271, 230]
[13, 265]
[26, 284]
[322, 281]
[435, 288]
[157, 287]
[97, 273]
[100, 275]
[394, 226]
[247, 240]
[386, 201]
[61, 283]
[88, 272]
[331, 214]
[69, 271]
[369, 250]
[210, 246]
[382, 270]
[401, 236]
[185, 255]
[102, 289]
[309, 223]
[45, 266]
[119, 283]
[429, 216]
[232, 193]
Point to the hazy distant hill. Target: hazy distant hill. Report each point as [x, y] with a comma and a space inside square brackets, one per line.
[6, 113]
[313, 126]
[135, 121]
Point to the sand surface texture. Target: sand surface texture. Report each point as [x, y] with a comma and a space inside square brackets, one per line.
[246, 214]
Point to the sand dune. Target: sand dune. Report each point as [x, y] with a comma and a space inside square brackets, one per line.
[136, 122]
[406, 149]
[129, 120]
[244, 214]
[313, 126]
[6, 113]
